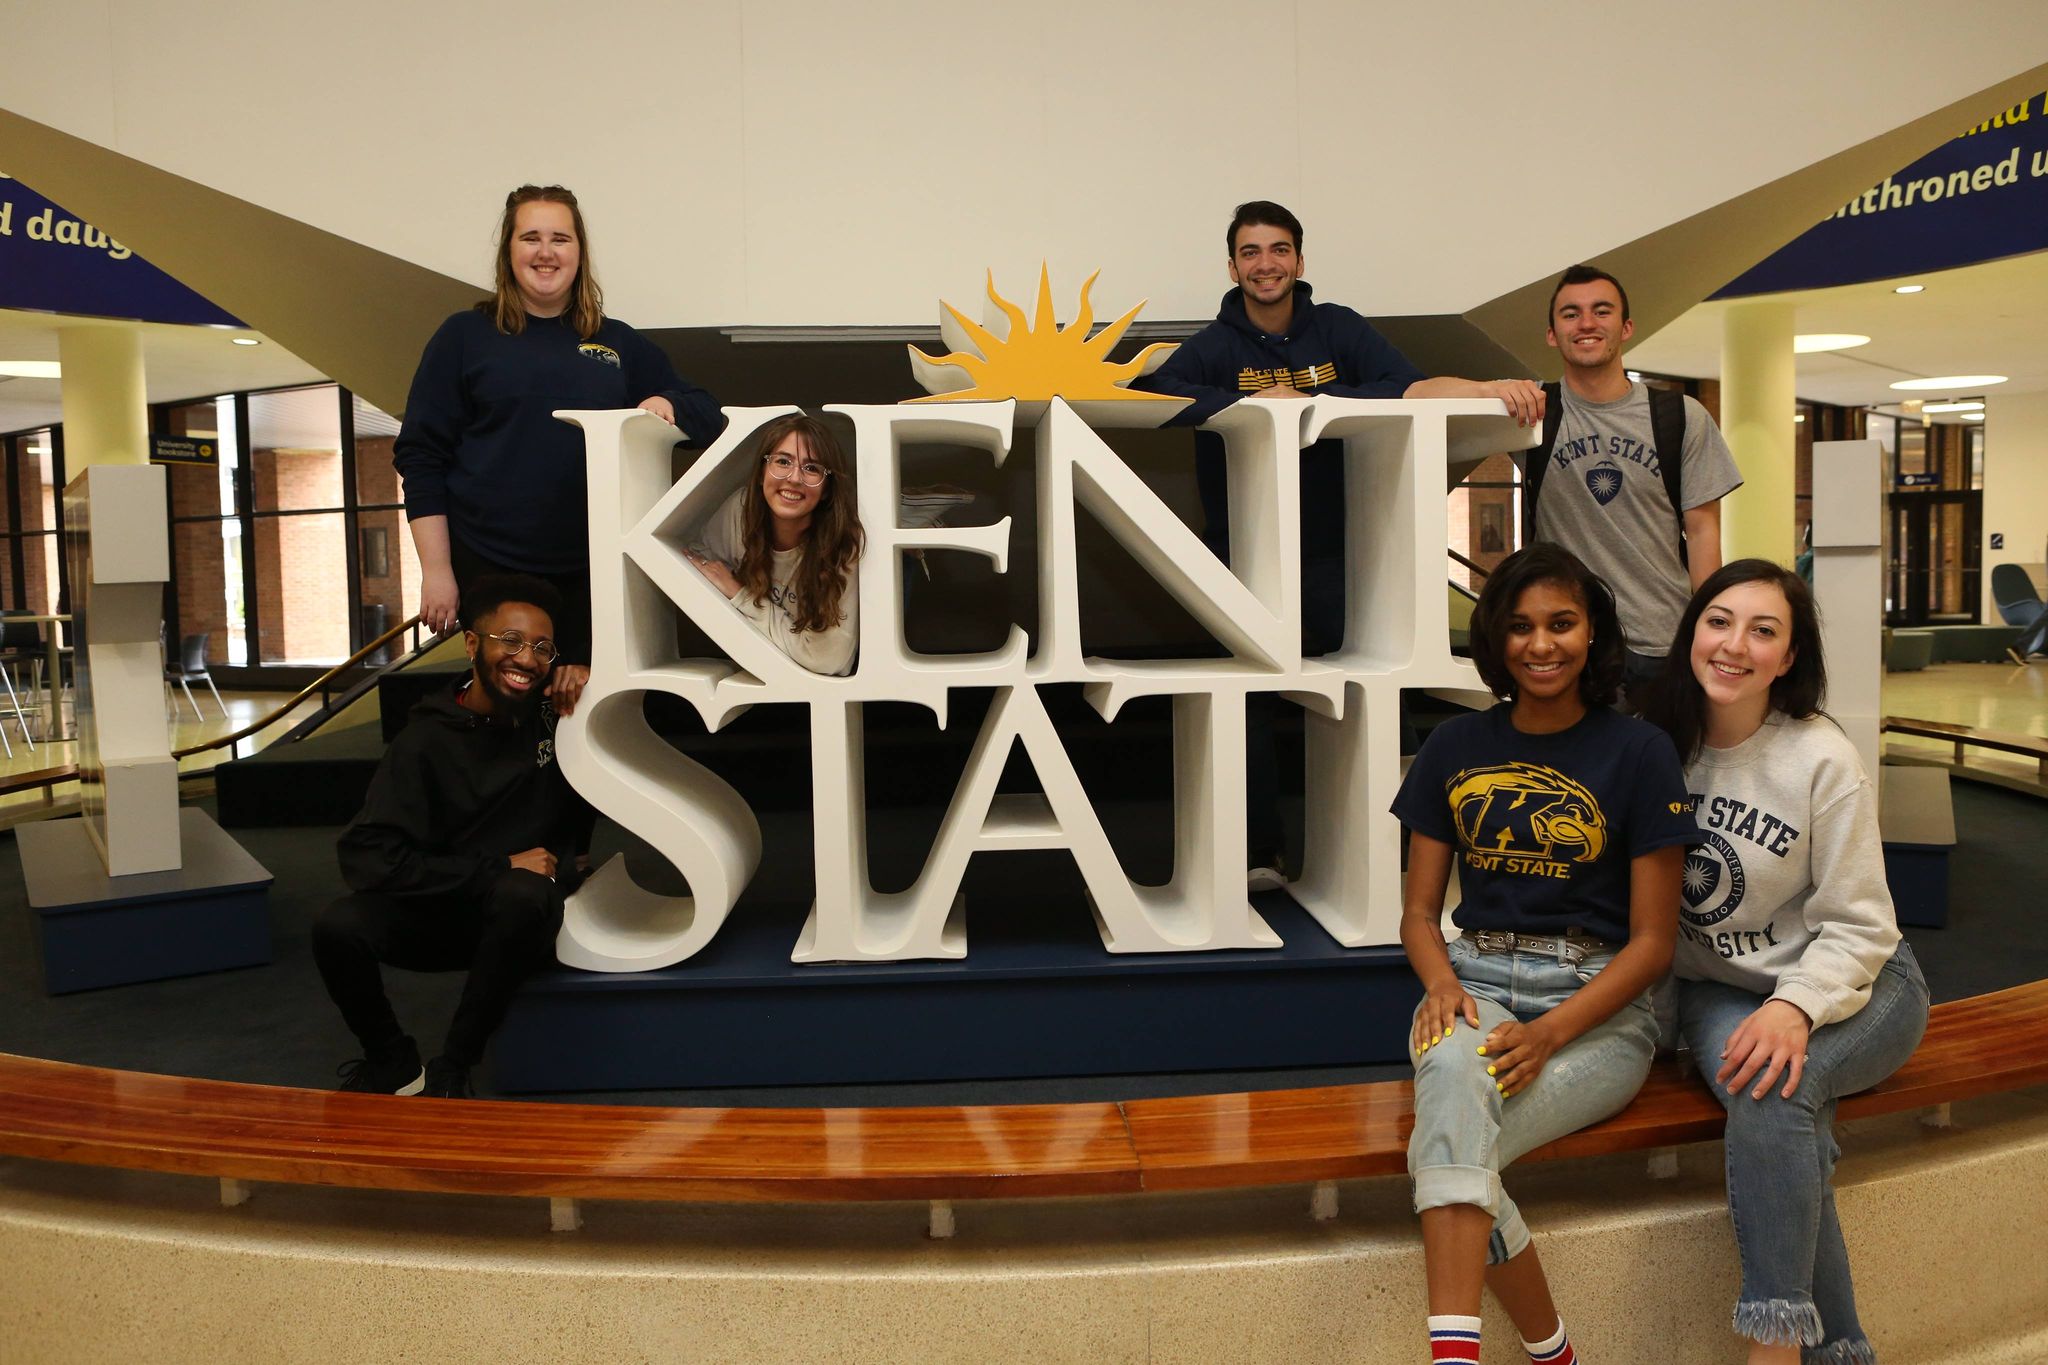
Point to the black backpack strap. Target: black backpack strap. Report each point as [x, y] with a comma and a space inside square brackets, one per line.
[1538, 461]
[1667, 430]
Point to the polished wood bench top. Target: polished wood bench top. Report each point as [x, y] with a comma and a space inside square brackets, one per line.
[1346, 1131]
[61, 1112]
[2005, 741]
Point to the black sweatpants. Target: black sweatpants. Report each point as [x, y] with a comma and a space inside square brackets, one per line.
[502, 937]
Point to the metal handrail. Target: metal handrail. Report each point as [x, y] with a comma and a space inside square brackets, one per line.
[1458, 558]
[319, 684]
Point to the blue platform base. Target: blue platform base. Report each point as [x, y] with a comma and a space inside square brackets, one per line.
[96, 930]
[1918, 877]
[1036, 996]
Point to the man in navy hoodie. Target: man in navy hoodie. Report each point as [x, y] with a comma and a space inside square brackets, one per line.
[1272, 341]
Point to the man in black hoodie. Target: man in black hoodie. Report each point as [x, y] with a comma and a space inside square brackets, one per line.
[460, 855]
[1272, 341]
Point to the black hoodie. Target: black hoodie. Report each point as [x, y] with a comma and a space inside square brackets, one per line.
[1328, 349]
[456, 795]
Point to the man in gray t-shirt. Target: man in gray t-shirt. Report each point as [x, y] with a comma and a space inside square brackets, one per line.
[1603, 496]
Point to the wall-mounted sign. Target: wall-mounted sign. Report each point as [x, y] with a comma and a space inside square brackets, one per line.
[1998, 540]
[1918, 480]
[184, 450]
[1981, 196]
[55, 262]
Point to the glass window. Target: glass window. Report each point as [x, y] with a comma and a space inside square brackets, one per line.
[33, 519]
[295, 449]
[207, 538]
[301, 589]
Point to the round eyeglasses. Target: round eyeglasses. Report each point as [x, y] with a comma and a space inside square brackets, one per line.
[808, 472]
[515, 644]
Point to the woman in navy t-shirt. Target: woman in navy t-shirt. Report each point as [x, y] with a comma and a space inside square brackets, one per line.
[1568, 823]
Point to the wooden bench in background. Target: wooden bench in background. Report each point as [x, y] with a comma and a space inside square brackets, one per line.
[1965, 737]
[235, 1133]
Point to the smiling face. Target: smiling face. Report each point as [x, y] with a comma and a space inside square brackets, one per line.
[790, 501]
[1586, 325]
[1265, 263]
[1548, 633]
[545, 256]
[1742, 644]
[513, 682]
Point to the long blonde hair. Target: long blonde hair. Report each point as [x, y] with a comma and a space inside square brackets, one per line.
[586, 301]
[832, 545]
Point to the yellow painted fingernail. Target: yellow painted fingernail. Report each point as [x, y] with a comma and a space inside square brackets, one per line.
[1490, 1071]
[1482, 1049]
[1498, 1086]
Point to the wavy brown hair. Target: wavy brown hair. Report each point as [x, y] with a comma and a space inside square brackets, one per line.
[832, 545]
[586, 301]
[1676, 704]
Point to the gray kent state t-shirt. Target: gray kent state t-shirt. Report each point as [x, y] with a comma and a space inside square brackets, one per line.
[1604, 500]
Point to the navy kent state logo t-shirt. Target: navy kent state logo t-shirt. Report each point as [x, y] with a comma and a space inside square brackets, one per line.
[1545, 826]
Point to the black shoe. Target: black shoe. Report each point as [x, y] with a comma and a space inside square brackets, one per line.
[2016, 656]
[447, 1081]
[396, 1072]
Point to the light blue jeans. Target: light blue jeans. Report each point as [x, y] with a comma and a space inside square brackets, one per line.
[1465, 1133]
[1781, 1157]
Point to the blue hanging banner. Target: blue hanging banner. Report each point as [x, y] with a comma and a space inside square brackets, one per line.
[53, 262]
[1979, 197]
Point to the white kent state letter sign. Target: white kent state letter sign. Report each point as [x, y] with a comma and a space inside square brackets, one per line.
[1400, 457]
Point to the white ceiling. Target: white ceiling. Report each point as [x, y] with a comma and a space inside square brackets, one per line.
[1981, 319]
[178, 362]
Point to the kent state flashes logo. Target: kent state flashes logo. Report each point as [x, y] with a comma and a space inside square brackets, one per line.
[1529, 809]
[1603, 481]
[1712, 884]
[603, 354]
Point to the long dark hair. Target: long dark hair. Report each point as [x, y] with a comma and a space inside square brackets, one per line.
[1675, 702]
[586, 301]
[1544, 562]
[832, 545]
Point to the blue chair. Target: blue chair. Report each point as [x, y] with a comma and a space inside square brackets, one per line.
[2019, 605]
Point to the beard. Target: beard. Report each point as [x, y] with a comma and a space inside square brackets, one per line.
[518, 707]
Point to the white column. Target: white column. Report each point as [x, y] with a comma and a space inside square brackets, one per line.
[106, 404]
[1758, 401]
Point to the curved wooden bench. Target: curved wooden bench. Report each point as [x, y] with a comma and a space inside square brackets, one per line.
[61, 1112]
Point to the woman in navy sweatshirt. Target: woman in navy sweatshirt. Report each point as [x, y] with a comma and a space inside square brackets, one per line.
[492, 481]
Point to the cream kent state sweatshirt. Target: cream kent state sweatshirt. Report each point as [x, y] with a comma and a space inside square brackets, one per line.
[1785, 894]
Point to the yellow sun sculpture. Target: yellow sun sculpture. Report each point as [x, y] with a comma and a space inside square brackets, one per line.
[1037, 361]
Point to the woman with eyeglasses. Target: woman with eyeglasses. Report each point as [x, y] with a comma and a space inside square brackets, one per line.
[785, 548]
[493, 482]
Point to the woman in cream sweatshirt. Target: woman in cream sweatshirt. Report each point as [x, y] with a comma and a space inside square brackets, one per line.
[1794, 986]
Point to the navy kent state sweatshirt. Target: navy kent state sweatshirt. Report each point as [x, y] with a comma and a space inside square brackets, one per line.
[1327, 349]
[480, 443]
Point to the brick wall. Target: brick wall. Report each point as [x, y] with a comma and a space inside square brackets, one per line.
[301, 561]
[397, 589]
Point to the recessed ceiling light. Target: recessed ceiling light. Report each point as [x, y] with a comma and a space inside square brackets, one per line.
[1973, 417]
[1798, 417]
[1967, 405]
[1635, 376]
[1952, 381]
[31, 369]
[245, 341]
[1827, 341]
[1909, 289]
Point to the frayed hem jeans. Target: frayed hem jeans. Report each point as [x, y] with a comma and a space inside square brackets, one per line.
[1781, 1155]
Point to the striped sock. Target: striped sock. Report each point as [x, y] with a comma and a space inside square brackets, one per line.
[1555, 1349]
[1453, 1338]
